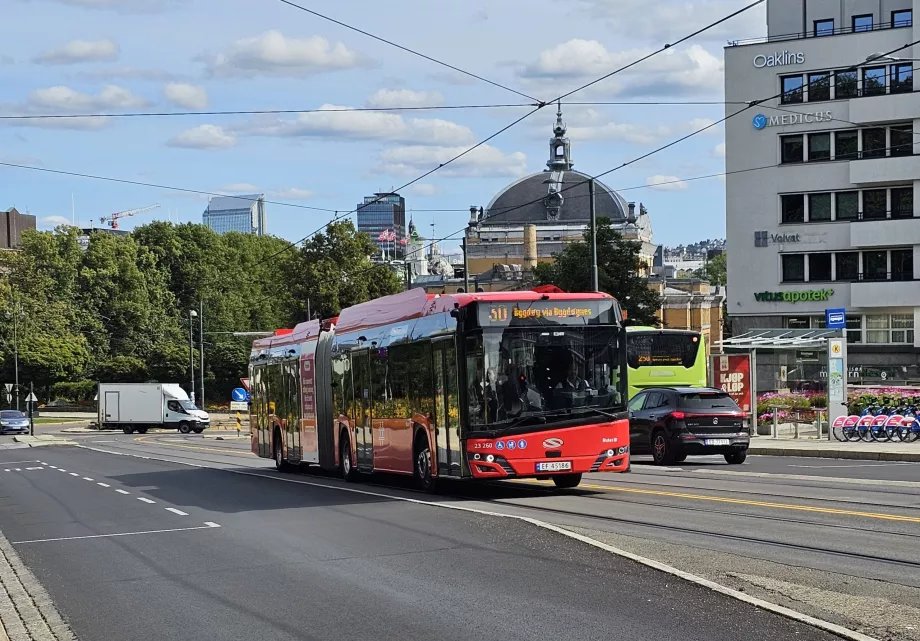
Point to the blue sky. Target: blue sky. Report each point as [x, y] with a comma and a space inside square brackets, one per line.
[111, 56]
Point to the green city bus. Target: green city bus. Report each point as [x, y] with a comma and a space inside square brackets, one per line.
[664, 358]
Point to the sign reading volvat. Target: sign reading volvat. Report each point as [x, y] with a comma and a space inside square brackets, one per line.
[760, 121]
[779, 59]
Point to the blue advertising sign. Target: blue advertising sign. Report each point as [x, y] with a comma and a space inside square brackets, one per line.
[836, 318]
[239, 395]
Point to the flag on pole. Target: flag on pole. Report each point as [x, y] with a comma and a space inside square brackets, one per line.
[403, 241]
[384, 235]
[391, 236]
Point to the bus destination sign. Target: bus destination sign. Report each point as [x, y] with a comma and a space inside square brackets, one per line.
[546, 312]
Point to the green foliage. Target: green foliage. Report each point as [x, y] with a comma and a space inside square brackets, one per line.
[78, 391]
[619, 272]
[715, 271]
[118, 310]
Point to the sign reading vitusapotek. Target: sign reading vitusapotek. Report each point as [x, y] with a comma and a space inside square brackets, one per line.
[814, 295]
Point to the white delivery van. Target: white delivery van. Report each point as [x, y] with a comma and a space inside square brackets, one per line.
[136, 407]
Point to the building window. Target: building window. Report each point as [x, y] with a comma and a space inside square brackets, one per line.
[792, 89]
[846, 144]
[847, 264]
[846, 84]
[902, 140]
[793, 208]
[862, 23]
[794, 268]
[878, 328]
[902, 78]
[902, 202]
[761, 239]
[824, 28]
[902, 264]
[819, 267]
[874, 144]
[819, 207]
[847, 205]
[875, 204]
[902, 18]
[902, 328]
[874, 81]
[819, 86]
[819, 146]
[854, 329]
[792, 148]
[875, 265]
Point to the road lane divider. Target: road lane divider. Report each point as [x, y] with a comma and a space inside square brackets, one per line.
[175, 511]
[208, 525]
[145, 500]
[103, 485]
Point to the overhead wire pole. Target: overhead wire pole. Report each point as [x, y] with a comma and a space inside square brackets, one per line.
[201, 347]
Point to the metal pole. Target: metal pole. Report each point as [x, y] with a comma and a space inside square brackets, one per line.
[16, 351]
[466, 269]
[191, 354]
[31, 405]
[201, 347]
[594, 276]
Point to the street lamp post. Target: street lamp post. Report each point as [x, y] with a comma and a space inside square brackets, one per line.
[201, 348]
[191, 350]
[15, 314]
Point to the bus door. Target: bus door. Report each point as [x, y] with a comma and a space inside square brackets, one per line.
[447, 407]
[364, 432]
[291, 391]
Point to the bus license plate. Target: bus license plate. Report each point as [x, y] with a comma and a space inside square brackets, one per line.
[554, 466]
[717, 441]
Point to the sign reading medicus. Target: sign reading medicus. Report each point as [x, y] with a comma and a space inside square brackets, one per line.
[811, 295]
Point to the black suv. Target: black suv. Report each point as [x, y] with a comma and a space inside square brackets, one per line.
[671, 423]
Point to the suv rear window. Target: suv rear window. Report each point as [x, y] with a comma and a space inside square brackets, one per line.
[707, 401]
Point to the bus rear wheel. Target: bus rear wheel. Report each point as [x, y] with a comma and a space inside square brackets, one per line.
[348, 470]
[424, 476]
[278, 454]
[567, 481]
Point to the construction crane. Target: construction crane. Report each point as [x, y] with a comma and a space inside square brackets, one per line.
[112, 219]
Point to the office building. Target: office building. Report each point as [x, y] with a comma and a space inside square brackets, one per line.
[553, 207]
[244, 214]
[12, 224]
[384, 212]
[826, 217]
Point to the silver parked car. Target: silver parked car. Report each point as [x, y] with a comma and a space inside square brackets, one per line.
[13, 421]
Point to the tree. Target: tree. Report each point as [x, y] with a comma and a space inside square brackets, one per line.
[619, 272]
[714, 271]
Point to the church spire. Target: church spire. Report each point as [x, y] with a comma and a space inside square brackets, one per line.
[560, 148]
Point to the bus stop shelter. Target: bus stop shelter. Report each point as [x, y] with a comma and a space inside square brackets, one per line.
[828, 347]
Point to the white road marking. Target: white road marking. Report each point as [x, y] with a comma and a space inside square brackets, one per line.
[35, 468]
[145, 500]
[19, 469]
[712, 585]
[16, 462]
[103, 484]
[86, 478]
[122, 492]
[7, 470]
[207, 526]
[74, 474]
[61, 469]
[53, 467]
[175, 511]
[857, 465]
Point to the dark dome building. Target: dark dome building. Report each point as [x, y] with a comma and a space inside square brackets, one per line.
[554, 205]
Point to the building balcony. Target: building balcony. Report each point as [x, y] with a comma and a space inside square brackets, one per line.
[885, 232]
[839, 31]
[886, 108]
[885, 293]
[891, 169]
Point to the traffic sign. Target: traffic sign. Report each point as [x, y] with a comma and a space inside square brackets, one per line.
[9, 397]
[835, 318]
[239, 394]
[9, 388]
[245, 383]
[31, 398]
[239, 406]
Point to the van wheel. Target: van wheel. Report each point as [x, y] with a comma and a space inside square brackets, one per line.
[199, 430]
[184, 427]
[348, 470]
[424, 476]
[126, 429]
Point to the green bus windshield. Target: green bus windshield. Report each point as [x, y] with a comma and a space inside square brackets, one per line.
[665, 358]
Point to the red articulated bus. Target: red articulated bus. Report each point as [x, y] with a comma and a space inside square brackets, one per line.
[484, 386]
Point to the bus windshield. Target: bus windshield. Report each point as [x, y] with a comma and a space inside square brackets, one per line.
[542, 373]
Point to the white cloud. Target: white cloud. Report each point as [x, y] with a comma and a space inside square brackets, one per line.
[404, 98]
[126, 73]
[360, 126]
[291, 193]
[425, 189]
[666, 20]
[690, 70]
[185, 95]
[666, 183]
[699, 123]
[483, 161]
[452, 78]
[75, 51]
[203, 137]
[61, 99]
[719, 150]
[274, 54]
[624, 132]
[240, 188]
[124, 6]
[53, 221]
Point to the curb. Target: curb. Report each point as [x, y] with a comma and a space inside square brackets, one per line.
[910, 457]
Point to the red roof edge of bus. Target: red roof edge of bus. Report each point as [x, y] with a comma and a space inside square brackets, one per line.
[548, 289]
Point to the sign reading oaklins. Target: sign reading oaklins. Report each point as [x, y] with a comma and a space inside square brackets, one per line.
[732, 373]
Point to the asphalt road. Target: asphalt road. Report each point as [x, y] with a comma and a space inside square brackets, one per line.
[835, 539]
[143, 549]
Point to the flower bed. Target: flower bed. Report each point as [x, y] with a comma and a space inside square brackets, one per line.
[882, 397]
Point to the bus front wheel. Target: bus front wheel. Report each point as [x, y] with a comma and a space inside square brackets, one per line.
[567, 481]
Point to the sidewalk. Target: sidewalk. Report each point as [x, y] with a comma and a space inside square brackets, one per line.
[811, 447]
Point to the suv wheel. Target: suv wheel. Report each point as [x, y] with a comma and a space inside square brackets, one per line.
[662, 450]
[736, 458]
